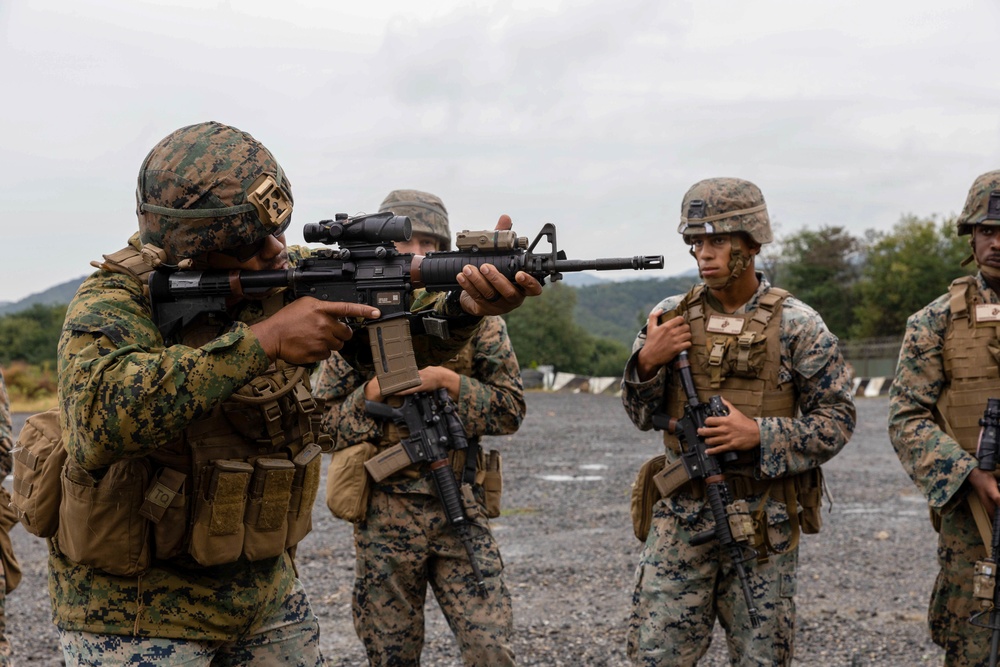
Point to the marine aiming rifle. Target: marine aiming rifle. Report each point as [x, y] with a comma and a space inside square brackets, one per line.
[434, 430]
[984, 583]
[732, 526]
[368, 269]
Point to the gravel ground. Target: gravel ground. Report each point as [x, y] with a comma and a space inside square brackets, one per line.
[570, 555]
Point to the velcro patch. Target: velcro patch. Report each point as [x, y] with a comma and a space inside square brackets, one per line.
[987, 312]
[725, 325]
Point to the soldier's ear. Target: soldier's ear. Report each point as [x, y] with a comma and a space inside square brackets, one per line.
[752, 246]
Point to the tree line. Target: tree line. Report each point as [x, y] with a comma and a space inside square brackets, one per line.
[864, 287]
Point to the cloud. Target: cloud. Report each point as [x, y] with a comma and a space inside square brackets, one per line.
[596, 116]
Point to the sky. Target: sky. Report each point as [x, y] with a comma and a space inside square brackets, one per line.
[595, 116]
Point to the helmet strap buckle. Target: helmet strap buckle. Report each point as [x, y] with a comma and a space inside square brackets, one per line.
[153, 256]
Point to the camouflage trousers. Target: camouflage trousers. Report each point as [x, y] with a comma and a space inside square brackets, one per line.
[5, 648]
[959, 547]
[290, 638]
[680, 590]
[406, 543]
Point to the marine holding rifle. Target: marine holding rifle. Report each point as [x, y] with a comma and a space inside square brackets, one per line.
[193, 458]
[403, 537]
[785, 409]
[949, 368]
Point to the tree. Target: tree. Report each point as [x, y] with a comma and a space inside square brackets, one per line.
[31, 335]
[906, 269]
[821, 268]
[542, 331]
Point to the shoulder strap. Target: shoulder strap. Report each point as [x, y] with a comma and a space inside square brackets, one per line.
[958, 296]
[769, 304]
[695, 307]
[127, 261]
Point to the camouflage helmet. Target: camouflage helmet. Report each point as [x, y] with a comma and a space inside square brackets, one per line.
[982, 206]
[210, 187]
[724, 206]
[426, 212]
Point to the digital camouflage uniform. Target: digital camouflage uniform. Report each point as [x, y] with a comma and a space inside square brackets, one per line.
[6, 429]
[948, 368]
[111, 356]
[939, 466]
[405, 541]
[681, 589]
[6, 444]
[126, 395]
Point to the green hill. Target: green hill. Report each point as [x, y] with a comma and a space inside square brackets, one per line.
[618, 310]
[59, 295]
[614, 310]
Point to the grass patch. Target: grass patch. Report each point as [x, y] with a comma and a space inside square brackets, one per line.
[32, 405]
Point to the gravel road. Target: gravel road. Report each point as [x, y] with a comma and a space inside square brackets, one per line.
[570, 555]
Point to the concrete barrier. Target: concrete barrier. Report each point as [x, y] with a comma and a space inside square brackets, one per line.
[569, 383]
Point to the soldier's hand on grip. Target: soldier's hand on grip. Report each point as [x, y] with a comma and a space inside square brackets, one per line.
[488, 292]
[984, 484]
[307, 330]
[732, 433]
[664, 341]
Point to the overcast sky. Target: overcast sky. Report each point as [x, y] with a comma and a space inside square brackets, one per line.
[595, 116]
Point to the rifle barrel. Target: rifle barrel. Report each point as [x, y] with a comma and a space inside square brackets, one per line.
[636, 263]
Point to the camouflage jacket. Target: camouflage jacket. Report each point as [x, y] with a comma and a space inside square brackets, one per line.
[935, 462]
[6, 430]
[123, 393]
[490, 401]
[810, 358]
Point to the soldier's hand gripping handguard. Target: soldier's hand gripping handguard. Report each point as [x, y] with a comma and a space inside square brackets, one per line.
[984, 586]
[368, 269]
[732, 525]
[434, 430]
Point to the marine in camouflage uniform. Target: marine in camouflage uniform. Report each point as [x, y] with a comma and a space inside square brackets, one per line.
[6, 444]
[404, 541]
[208, 196]
[948, 368]
[790, 411]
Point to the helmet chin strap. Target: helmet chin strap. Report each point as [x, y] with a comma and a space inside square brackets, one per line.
[987, 271]
[739, 261]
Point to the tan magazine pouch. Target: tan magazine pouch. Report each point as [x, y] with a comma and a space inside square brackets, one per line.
[165, 505]
[99, 521]
[305, 486]
[8, 519]
[218, 530]
[645, 494]
[266, 518]
[493, 483]
[348, 486]
[38, 459]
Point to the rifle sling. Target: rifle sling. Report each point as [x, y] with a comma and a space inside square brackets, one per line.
[983, 522]
[471, 461]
